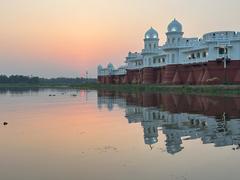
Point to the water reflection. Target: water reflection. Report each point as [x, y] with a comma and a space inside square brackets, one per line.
[20, 90]
[214, 120]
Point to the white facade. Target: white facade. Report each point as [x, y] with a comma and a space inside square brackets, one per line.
[110, 70]
[180, 50]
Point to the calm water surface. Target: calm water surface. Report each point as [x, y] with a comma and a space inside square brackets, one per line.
[117, 136]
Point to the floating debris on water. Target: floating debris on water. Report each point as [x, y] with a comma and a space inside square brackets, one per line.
[5, 123]
[52, 95]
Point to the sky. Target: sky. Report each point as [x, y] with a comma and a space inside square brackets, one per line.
[66, 38]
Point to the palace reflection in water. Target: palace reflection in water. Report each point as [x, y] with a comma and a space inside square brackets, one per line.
[214, 120]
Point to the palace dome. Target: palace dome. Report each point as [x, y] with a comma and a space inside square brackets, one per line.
[175, 26]
[151, 34]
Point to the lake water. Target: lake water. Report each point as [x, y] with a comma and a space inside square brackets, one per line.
[90, 135]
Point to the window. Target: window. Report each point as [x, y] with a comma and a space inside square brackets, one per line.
[198, 55]
[173, 40]
[149, 131]
[154, 61]
[223, 51]
[154, 115]
[154, 129]
[192, 56]
[150, 46]
[173, 58]
[163, 60]
[204, 54]
[159, 60]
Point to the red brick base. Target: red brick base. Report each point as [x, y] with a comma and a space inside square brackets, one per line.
[212, 72]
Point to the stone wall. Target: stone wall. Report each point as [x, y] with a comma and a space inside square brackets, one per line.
[212, 72]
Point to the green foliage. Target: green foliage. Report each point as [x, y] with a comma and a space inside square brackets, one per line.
[19, 79]
[180, 89]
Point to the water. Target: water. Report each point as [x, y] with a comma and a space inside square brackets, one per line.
[117, 136]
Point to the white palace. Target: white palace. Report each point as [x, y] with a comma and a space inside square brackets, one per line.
[179, 50]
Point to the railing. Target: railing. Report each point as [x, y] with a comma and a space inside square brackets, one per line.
[222, 39]
[195, 61]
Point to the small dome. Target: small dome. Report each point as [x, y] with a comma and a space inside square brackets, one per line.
[175, 26]
[151, 34]
[110, 66]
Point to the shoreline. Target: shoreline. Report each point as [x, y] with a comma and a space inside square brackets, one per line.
[213, 90]
[178, 89]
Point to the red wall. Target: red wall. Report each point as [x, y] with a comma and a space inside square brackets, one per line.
[207, 105]
[212, 72]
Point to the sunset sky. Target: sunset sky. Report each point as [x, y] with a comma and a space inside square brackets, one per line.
[51, 38]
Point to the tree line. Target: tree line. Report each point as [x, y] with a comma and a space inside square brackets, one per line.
[37, 80]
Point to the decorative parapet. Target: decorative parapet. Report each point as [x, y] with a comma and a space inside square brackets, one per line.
[221, 36]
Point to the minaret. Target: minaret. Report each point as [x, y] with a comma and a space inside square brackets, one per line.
[151, 41]
[151, 47]
[174, 39]
[174, 34]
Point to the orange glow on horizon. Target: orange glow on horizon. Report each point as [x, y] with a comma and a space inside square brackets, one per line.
[83, 34]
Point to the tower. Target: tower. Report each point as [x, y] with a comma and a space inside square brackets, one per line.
[151, 46]
[174, 34]
[174, 38]
[151, 40]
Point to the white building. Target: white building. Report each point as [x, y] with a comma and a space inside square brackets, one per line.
[179, 49]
